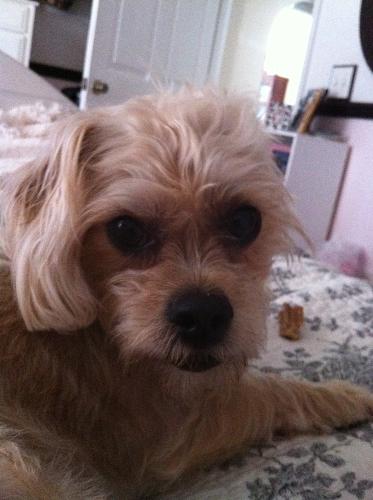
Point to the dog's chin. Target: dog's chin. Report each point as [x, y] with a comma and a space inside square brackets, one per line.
[198, 363]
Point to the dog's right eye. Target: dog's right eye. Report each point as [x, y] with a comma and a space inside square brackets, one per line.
[129, 235]
[244, 224]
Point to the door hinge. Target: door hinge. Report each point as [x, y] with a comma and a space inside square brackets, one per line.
[84, 84]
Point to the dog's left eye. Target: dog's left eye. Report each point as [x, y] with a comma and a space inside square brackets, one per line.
[244, 224]
[128, 234]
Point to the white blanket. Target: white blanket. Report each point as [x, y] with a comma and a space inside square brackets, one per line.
[22, 132]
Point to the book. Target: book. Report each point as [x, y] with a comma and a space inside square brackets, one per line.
[281, 153]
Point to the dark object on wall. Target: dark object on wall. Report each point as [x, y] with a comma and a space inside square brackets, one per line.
[59, 4]
[345, 109]
[366, 31]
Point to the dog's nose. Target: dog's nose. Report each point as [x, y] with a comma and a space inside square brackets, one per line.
[202, 319]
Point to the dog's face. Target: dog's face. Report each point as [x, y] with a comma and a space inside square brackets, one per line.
[159, 218]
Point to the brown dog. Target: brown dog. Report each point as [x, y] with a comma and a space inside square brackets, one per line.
[133, 292]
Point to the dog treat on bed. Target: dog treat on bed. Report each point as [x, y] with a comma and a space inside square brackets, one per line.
[291, 319]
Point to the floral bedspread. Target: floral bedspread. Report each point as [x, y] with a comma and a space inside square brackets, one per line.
[336, 342]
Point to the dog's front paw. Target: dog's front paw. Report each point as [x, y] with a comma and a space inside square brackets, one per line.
[342, 404]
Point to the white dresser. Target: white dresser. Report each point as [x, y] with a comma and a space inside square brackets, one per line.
[313, 176]
[16, 27]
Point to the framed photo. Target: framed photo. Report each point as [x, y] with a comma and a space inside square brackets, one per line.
[341, 81]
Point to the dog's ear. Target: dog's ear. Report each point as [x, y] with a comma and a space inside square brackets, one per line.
[41, 203]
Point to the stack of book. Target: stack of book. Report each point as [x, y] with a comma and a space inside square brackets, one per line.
[281, 153]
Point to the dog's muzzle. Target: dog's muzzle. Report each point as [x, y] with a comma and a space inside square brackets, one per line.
[201, 320]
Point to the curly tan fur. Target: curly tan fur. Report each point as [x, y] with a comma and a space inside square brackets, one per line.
[92, 401]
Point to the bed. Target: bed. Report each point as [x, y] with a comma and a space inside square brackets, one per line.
[28, 105]
[336, 342]
[19, 85]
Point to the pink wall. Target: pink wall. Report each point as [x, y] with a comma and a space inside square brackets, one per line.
[354, 216]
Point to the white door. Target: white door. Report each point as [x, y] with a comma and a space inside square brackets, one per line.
[135, 45]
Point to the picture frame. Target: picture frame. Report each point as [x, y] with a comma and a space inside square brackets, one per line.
[307, 109]
[341, 81]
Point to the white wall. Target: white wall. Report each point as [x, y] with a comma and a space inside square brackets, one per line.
[59, 37]
[354, 221]
[246, 43]
[337, 41]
